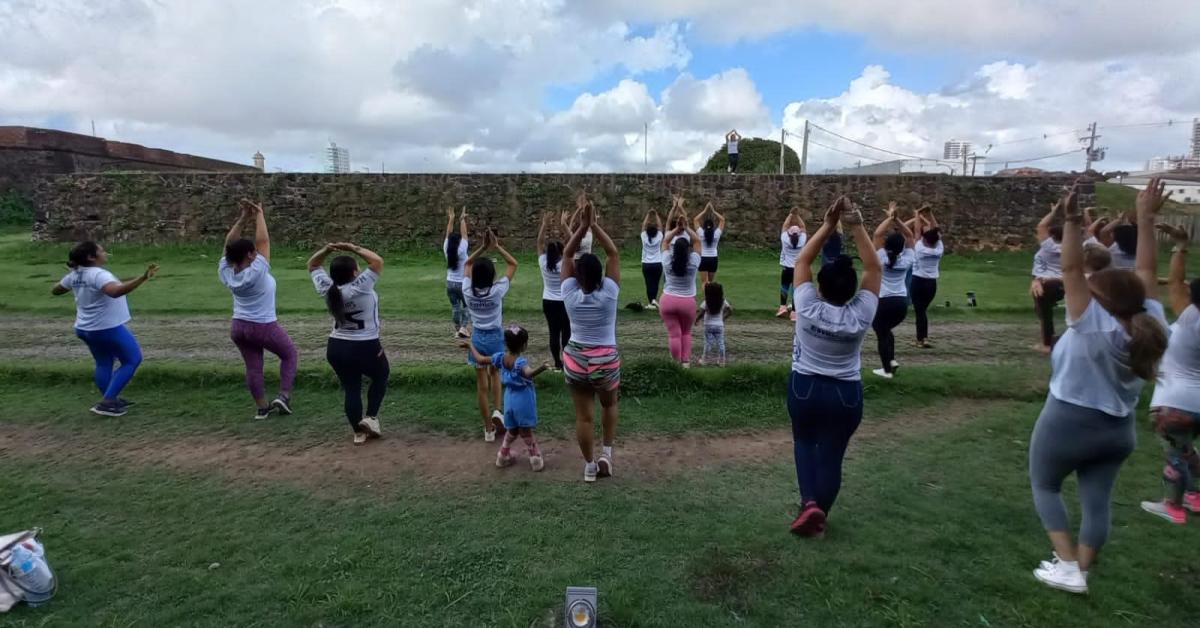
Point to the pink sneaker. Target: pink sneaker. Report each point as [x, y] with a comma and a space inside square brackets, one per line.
[783, 310]
[810, 522]
[1166, 510]
[1191, 501]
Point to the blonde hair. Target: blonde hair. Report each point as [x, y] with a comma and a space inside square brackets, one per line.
[1122, 293]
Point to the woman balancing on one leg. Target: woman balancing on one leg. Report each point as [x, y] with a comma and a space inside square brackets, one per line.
[678, 305]
[101, 313]
[1175, 405]
[926, 269]
[354, 350]
[485, 301]
[652, 270]
[1047, 285]
[246, 271]
[792, 238]
[895, 253]
[825, 391]
[711, 230]
[592, 363]
[549, 263]
[1116, 334]
[454, 248]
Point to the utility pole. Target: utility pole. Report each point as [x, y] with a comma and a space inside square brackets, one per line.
[645, 147]
[782, 136]
[1091, 139]
[964, 170]
[804, 151]
[93, 128]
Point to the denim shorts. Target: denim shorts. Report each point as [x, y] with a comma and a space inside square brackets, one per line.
[488, 342]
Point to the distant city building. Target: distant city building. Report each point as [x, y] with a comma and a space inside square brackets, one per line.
[260, 162]
[1172, 162]
[956, 149]
[898, 166]
[337, 159]
[1195, 138]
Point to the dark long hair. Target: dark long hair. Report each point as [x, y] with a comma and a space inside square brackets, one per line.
[714, 297]
[483, 275]
[680, 252]
[1126, 237]
[554, 251]
[837, 280]
[81, 254]
[894, 245]
[932, 237]
[516, 339]
[452, 241]
[651, 231]
[341, 271]
[710, 231]
[794, 238]
[1196, 292]
[589, 271]
[237, 251]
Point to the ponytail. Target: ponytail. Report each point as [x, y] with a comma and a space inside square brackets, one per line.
[680, 254]
[342, 270]
[894, 245]
[554, 250]
[336, 305]
[1147, 343]
[452, 250]
[710, 232]
[1122, 294]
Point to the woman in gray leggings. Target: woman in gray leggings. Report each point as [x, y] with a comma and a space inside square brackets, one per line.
[1116, 335]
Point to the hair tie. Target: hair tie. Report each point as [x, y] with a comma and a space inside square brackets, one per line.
[514, 328]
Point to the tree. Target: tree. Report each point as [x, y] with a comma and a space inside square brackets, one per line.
[757, 156]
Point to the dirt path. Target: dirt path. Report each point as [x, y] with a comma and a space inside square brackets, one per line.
[409, 341]
[333, 464]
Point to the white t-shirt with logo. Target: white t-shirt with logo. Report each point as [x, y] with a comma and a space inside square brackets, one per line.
[681, 285]
[95, 310]
[707, 250]
[455, 274]
[929, 260]
[1089, 365]
[829, 337]
[551, 280]
[360, 305]
[253, 290]
[1179, 373]
[652, 248]
[1121, 259]
[893, 278]
[787, 255]
[1047, 262]
[487, 307]
[593, 316]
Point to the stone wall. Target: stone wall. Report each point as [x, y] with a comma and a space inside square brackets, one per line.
[409, 209]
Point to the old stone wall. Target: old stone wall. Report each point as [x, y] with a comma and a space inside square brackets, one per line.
[410, 209]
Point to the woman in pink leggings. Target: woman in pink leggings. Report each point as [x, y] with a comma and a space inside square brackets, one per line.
[681, 260]
[246, 271]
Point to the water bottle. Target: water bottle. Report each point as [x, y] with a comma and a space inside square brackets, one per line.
[29, 569]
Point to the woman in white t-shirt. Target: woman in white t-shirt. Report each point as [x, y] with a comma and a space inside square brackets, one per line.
[792, 238]
[591, 362]
[1047, 285]
[549, 262]
[681, 262]
[895, 253]
[101, 313]
[1116, 335]
[825, 397]
[1175, 405]
[454, 249]
[652, 270]
[353, 349]
[571, 220]
[710, 228]
[245, 269]
[926, 269]
[485, 301]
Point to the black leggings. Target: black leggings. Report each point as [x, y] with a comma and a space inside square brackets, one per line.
[351, 360]
[560, 328]
[786, 278]
[652, 273]
[891, 313]
[1052, 293]
[923, 292]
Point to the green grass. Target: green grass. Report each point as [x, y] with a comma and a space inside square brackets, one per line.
[934, 528]
[1121, 198]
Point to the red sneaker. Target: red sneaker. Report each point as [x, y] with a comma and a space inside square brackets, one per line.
[810, 522]
[1166, 510]
[1191, 501]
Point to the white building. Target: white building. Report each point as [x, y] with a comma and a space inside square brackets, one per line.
[337, 159]
[1195, 138]
[1185, 189]
[1172, 162]
[955, 149]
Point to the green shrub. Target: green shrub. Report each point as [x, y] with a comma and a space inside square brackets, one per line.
[15, 209]
[757, 156]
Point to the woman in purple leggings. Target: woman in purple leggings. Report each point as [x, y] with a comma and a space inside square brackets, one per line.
[246, 271]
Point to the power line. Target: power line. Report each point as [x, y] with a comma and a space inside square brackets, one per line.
[1007, 161]
[882, 150]
[816, 143]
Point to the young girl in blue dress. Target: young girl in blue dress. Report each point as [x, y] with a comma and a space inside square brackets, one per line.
[520, 397]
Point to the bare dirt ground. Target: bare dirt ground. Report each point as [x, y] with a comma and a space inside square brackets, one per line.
[422, 341]
[334, 465]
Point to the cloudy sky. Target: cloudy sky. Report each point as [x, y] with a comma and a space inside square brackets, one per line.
[569, 85]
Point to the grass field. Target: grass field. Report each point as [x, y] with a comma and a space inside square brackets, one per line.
[186, 512]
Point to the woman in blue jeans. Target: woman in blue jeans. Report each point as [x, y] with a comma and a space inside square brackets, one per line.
[825, 389]
[100, 316]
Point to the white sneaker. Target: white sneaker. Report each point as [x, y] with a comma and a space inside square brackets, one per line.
[1062, 575]
[686, 365]
[489, 436]
[536, 463]
[604, 466]
[589, 472]
[498, 421]
[882, 373]
[653, 305]
[1047, 564]
[463, 333]
[371, 425]
[503, 460]
[895, 366]
[360, 438]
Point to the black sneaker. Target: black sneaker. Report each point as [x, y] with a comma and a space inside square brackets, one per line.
[109, 408]
[125, 403]
[262, 413]
[282, 404]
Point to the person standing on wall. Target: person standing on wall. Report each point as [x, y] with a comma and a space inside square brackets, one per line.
[711, 229]
[246, 270]
[731, 148]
